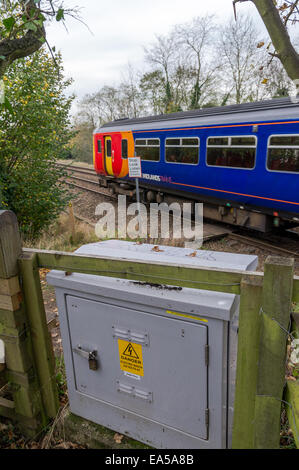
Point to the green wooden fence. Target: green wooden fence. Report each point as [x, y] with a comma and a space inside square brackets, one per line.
[292, 388]
[265, 312]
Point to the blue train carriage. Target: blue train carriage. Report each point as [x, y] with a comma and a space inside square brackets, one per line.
[241, 161]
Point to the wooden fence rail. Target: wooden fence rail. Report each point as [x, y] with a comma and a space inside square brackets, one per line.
[266, 303]
[214, 279]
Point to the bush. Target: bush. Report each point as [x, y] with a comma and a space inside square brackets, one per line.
[33, 135]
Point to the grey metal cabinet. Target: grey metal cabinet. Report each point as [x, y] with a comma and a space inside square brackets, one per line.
[154, 363]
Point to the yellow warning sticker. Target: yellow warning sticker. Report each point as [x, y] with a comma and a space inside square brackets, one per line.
[130, 357]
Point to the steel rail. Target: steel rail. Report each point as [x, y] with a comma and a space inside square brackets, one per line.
[259, 243]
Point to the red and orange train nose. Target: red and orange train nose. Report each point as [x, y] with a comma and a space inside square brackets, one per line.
[111, 153]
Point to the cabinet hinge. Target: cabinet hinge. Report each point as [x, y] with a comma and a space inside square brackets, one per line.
[207, 354]
[207, 417]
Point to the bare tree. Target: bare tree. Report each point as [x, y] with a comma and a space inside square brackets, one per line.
[237, 44]
[89, 111]
[277, 83]
[152, 87]
[110, 103]
[131, 98]
[163, 54]
[196, 39]
[184, 63]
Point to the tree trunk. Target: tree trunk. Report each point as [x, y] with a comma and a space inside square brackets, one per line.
[278, 33]
[16, 47]
[12, 49]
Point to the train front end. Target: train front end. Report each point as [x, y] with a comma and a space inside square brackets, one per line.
[111, 151]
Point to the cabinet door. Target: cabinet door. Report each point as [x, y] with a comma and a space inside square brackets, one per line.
[149, 364]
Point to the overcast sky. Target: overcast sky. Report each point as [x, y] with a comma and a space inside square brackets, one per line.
[119, 31]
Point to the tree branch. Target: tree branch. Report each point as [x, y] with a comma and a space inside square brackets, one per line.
[276, 27]
[279, 36]
[234, 6]
[12, 48]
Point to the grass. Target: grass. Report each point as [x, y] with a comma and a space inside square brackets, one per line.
[61, 236]
[287, 440]
[61, 378]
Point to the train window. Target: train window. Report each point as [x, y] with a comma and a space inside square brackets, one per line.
[192, 142]
[243, 141]
[148, 149]
[283, 153]
[217, 141]
[173, 142]
[124, 148]
[99, 146]
[108, 148]
[232, 152]
[286, 140]
[184, 150]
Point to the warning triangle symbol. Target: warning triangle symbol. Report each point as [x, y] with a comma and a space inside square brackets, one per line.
[130, 351]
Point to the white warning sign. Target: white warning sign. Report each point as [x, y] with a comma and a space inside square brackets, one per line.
[134, 167]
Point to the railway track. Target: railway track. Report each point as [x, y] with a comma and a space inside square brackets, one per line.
[77, 168]
[84, 172]
[285, 245]
[94, 191]
[264, 244]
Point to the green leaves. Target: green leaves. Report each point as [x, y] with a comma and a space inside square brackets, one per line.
[30, 25]
[34, 133]
[7, 105]
[60, 14]
[9, 23]
[26, 19]
[17, 19]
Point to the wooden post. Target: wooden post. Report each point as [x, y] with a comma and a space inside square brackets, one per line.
[247, 362]
[10, 245]
[41, 341]
[26, 406]
[275, 315]
[72, 220]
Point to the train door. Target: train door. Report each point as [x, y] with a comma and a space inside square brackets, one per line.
[127, 144]
[108, 155]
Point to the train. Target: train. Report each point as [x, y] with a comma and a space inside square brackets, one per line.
[241, 161]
